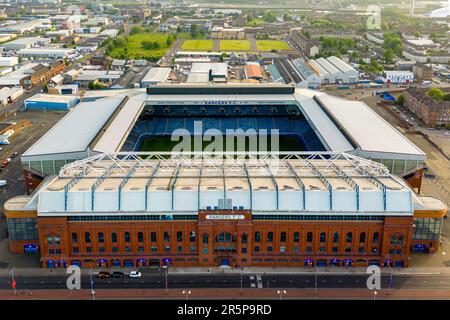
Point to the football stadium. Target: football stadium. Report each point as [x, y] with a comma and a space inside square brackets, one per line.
[327, 182]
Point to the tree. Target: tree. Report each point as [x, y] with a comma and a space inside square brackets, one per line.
[194, 30]
[388, 56]
[417, 34]
[169, 40]
[436, 94]
[400, 100]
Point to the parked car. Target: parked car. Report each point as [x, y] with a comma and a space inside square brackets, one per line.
[3, 183]
[135, 274]
[13, 155]
[118, 274]
[5, 162]
[103, 275]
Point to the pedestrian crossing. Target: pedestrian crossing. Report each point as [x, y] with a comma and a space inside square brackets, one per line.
[256, 281]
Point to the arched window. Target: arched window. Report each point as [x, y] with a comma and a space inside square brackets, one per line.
[322, 237]
[192, 236]
[166, 236]
[362, 237]
[87, 237]
[244, 238]
[336, 237]
[101, 237]
[205, 238]
[127, 237]
[376, 237]
[257, 236]
[269, 236]
[283, 237]
[140, 237]
[179, 236]
[309, 237]
[153, 236]
[296, 236]
[349, 237]
[74, 237]
[114, 237]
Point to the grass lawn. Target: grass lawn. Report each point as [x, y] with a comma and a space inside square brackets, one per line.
[201, 45]
[234, 45]
[255, 22]
[134, 49]
[269, 45]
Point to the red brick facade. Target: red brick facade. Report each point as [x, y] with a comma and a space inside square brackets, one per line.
[232, 239]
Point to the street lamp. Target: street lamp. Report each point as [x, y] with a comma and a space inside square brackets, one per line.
[187, 293]
[242, 271]
[315, 283]
[92, 284]
[281, 293]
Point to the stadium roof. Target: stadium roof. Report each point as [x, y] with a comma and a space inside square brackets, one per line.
[77, 128]
[341, 125]
[367, 128]
[149, 182]
[122, 122]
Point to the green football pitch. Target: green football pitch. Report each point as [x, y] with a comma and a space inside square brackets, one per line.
[164, 144]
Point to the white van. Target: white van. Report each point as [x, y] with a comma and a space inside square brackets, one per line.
[3, 183]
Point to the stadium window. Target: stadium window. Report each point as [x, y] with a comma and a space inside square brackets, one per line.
[192, 236]
[376, 237]
[87, 237]
[179, 236]
[88, 249]
[322, 237]
[257, 236]
[166, 236]
[283, 236]
[362, 237]
[140, 237]
[127, 237]
[349, 237]
[115, 249]
[74, 237]
[270, 236]
[153, 237]
[336, 237]
[101, 249]
[309, 237]
[256, 249]
[114, 237]
[297, 237]
[269, 249]
[244, 238]
[101, 237]
[75, 249]
[205, 238]
[334, 249]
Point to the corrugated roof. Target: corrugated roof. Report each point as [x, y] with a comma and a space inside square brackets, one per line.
[77, 129]
[253, 70]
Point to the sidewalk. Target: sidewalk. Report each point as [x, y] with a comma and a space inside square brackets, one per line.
[226, 293]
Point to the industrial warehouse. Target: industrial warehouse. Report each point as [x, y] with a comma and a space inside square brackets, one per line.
[340, 191]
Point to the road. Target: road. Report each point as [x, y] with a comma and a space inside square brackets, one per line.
[265, 281]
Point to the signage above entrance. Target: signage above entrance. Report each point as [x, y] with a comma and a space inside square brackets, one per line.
[225, 217]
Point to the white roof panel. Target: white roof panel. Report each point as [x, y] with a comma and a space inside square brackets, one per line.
[113, 137]
[367, 128]
[77, 129]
